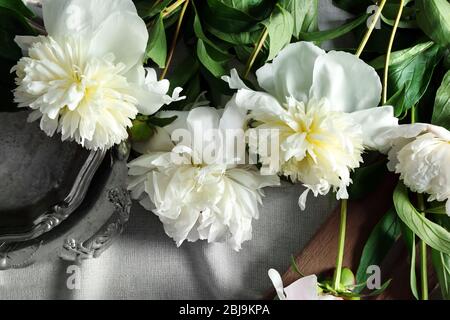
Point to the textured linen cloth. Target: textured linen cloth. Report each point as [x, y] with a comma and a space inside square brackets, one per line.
[145, 264]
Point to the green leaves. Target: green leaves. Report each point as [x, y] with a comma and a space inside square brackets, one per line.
[410, 240]
[235, 15]
[17, 6]
[157, 44]
[366, 179]
[433, 17]
[280, 26]
[148, 9]
[210, 55]
[401, 56]
[12, 23]
[333, 33]
[410, 76]
[353, 6]
[441, 112]
[380, 241]
[431, 233]
[304, 13]
[441, 262]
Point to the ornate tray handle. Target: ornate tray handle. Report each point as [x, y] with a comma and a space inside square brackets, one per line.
[97, 244]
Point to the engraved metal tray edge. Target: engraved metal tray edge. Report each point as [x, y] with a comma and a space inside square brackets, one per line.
[59, 212]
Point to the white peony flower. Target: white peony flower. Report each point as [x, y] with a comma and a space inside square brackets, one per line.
[86, 78]
[214, 200]
[305, 288]
[324, 106]
[420, 153]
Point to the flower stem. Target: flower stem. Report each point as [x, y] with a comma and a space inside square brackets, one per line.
[174, 6]
[341, 245]
[255, 52]
[423, 253]
[388, 53]
[370, 28]
[413, 114]
[175, 39]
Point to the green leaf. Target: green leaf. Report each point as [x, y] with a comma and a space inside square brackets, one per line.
[410, 240]
[18, 7]
[433, 17]
[235, 15]
[280, 26]
[305, 14]
[242, 38]
[201, 35]
[157, 44]
[441, 262]
[333, 33]
[407, 20]
[257, 9]
[441, 111]
[380, 241]
[377, 292]
[212, 57]
[366, 179]
[431, 233]
[355, 7]
[183, 71]
[149, 9]
[412, 76]
[11, 24]
[161, 122]
[295, 267]
[213, 60]
[398, 57]
[192, 89]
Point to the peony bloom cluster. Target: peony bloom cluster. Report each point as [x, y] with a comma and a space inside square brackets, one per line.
[420, 153]
[194, 184]
[325, 108]
[86, 79]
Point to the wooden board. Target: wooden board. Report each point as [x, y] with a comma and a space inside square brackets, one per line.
[319, 256]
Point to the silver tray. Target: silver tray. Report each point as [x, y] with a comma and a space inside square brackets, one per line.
[56, 199]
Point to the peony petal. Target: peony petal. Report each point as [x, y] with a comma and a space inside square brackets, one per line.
[291, 72]
[400, 135]
[234, 81]
[303, 289]
[151, 92]
[374, 122]
[159, 142]
[201, 123]
[260, 102]
[111, 26]
[346, 81]
[25, 42]
[232, 125]
[277, 283]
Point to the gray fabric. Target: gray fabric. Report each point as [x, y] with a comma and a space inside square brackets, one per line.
[145, 264]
